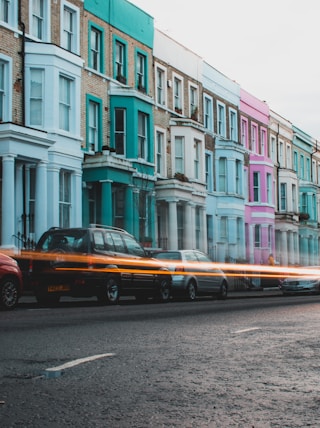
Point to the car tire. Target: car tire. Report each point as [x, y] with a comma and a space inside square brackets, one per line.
[9, 293]
[163, 293]
[191, 291]
[223, 293]
[109, 293]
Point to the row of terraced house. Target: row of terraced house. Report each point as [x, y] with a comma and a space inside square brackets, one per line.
[105, 119]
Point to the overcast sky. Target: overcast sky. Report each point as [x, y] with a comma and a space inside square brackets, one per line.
[271, 48]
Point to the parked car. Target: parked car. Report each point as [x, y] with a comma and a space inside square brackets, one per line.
[96, 261]
[301, 284]
[10, 282]
[198, 275]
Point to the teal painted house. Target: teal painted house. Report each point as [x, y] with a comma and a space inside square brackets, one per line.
[119, 170]
[305, 166]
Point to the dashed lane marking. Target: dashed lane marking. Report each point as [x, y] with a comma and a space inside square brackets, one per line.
[245, 330]
[57, 371]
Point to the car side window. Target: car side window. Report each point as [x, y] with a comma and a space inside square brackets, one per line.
[190, 257]
[118, 243]
[133, 247]
[203, 258]
[98, 241]
[108, 242]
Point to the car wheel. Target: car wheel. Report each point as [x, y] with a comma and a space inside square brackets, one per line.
[191, 291]
[9, 294]
[109, 293]
[223, 291]
[44, 299]
[164, 292]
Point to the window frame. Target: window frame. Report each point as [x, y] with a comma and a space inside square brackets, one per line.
[161, 89]
[45, 21]
[96, 128]
[75, 33]
[41, 99]
[143, 135]
[178, 101]
[141, 65]
[221, 119]
[119, 132]
[256, 186]
[6, 110]
[120, 64]
[233, 125]
[179, 156]
[208, 112]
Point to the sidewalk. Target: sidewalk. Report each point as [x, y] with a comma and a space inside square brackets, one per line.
[254, 292]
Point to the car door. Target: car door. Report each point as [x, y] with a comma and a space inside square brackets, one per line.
[211, 279]
[141, 279]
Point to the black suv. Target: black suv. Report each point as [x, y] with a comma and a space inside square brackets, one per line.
[99, 261]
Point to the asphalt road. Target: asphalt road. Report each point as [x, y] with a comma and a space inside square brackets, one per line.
[234, 363]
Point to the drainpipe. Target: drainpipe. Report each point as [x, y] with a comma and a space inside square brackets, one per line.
[22, 53]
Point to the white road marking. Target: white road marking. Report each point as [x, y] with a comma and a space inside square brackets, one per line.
[78, 361]
[245, 330]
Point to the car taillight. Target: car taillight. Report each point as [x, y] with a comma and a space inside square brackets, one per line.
[30, 266]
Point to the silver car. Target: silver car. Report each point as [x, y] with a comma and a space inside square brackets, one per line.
[303, 284]
[196, 274]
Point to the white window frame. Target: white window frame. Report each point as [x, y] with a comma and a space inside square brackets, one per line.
[263, 139]
[179, 156]
[208, 112]
[197, 158]
[209, 170]
[238, 166]
[193, 101]
[74, 33]
[161, 86]
[269, 188]
[283, 197]
[178, 99]
[233, 124]
[6, 63]
[222, 171]
[46, 21]
[221, 119]
[37, 98]
[160, 151]
[11, 12]
[272, 153]
[66, 104]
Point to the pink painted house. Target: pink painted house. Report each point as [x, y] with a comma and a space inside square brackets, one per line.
[259, 206]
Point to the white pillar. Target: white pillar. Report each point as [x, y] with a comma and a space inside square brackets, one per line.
[76, 194]
[203, 230]
[41, 205]
[173, 226]
[188, 235]
[53, 196]
[8, 205]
